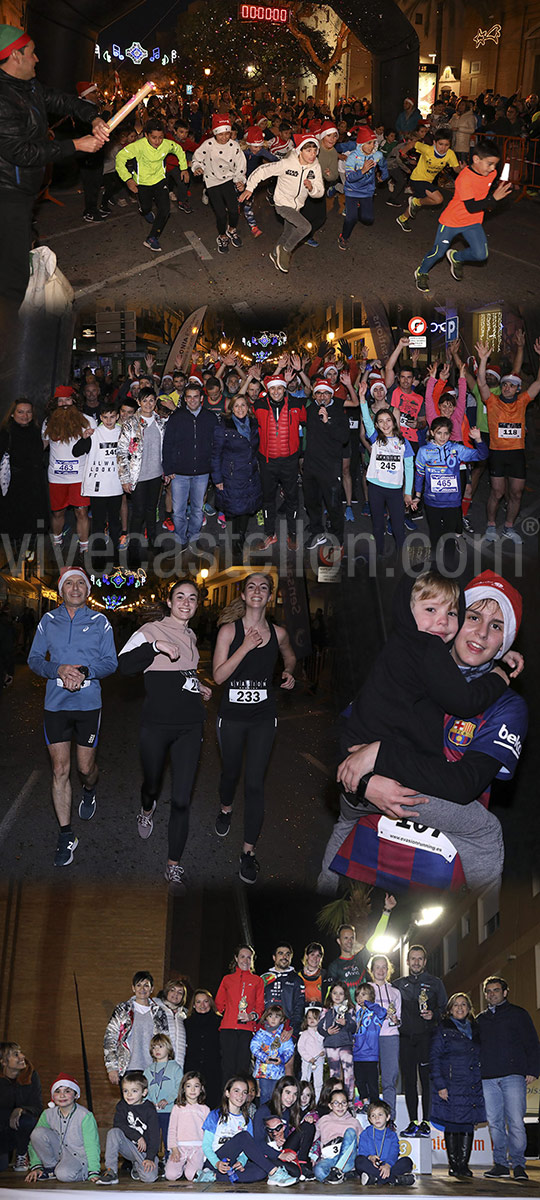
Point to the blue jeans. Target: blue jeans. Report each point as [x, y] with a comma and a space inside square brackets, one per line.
[446, 234]
[506, 1104]
[344, 1161]
[188, 488]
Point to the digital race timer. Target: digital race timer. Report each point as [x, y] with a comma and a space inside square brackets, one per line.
[261, 12]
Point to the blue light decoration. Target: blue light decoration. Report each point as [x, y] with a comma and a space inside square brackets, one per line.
[117, 53]
[118, 578]
[264, 343]
[136, 53]
[113, 602]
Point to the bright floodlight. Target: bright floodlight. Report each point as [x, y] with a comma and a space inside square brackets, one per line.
[385, 944]
[429, 915]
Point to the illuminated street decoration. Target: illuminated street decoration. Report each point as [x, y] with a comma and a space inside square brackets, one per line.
[487, 35]
[120, 577]
[136, 53]
[263, 12]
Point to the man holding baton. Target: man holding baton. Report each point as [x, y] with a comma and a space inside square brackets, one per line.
[26, 149]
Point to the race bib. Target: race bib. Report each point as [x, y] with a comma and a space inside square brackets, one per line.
[191, 684]
[86, 684]
[353, 424]
[66, 466]
[247, 695]
[388, 463]
[405, 421]
[444, 484]
[417, 836]
[332, 1149]
[509, 429]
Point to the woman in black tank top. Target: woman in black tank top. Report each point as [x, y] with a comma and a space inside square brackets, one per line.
[245, 657]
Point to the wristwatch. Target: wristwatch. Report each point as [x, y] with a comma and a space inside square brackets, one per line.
[360, 794]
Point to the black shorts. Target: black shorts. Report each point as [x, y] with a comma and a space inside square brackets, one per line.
[507, 464]
[420, 187]
[67, 723]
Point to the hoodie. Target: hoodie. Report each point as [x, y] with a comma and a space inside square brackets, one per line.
[291, 175]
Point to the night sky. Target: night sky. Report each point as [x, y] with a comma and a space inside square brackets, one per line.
[142, 21]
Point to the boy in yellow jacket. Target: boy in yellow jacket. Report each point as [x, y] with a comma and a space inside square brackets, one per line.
[150, 183]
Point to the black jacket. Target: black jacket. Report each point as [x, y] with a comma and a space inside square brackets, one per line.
[25, 148]
[413, 1025]
[139, 1121]
[188, 442]
[325, 440]
[23, 1092]
[509, 1042]
[287, 989]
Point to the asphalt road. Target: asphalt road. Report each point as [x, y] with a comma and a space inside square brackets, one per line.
[108, 262]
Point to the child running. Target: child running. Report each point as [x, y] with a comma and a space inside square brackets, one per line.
[222, 164]
[474, 195]
[150, 183]
[424, 180]
[185, 1136]
[361, 168]
[299, 176]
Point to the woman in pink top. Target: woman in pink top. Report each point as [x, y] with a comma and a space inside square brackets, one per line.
[240, 998]
[184, 1139]
[442, 401]
[381, 970]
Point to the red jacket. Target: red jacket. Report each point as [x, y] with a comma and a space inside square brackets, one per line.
[231, 990]
[287, 441]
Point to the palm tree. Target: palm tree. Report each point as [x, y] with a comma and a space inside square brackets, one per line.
[353, 908]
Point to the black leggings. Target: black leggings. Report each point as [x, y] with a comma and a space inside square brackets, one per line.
[441, 521]
[235, 1052]
[257, 737]
[224, 201]
[155, 197]
[144, 502]
[393, 499]
[366, 1078]
[184, 744]
[414, 1061]
[107, 508]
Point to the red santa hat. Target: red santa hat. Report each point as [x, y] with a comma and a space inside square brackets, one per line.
[221, 123]
[330, 367]
[364, 134]
[304, 139]
[495, 372]
[271, 381]
[327, 128]
[314, 126]
[73, 573]
[322, 385]
[64, 1081]
[62, 391]
[515, 379]
[377, 381]
[489, 586]
[254, 136]
[195, 377]
[84, 88]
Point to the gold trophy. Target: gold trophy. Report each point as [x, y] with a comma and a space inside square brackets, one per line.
[423, 1001]
[242, 1008]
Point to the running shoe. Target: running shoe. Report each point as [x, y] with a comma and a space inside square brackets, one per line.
[204, 197]
[281, 1178]
[497, 1171]
[424, 1129]
[280, 259]
[122, 541]
[222, 244]
[145, 823]
[221, 520]
[267, 542]
[365, 511]
[412, 207]
[411, 1131]
[520, 1173]
[456, 267]
[342, 243]
[168, 524]
[184, 206]
[335, 1176]
[149, 217]
[234, 238]
[256, 232]
[403, 223]
[152, 243]
[103, 212]
[467, 525]
[249, 867]
[491, 534]
[174, 874]
[421, 280]
[311, 242]
[394, 203]
[292, 543]
[318, 539]
[409, 524]
[207, 508]
[87, 807]
[22, 1163]
[405, 1180]
[65, 848]
[223, 823]
[349, 515]
[509, 534]
[108, 1177]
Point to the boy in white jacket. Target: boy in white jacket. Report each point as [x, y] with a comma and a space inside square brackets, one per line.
[222, 164]
[298, 176]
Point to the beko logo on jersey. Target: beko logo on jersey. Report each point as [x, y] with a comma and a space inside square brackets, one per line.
[511, 740]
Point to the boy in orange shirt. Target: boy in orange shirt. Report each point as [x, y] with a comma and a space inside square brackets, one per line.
[506, 421]
[473, 196]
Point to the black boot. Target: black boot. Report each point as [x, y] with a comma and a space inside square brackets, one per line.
[452, 1150]
[464, 1154]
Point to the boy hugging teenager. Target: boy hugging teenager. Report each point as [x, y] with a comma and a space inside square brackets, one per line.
[135, 1133]
[222, 164]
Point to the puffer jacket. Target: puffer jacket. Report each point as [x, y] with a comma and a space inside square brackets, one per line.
[290, 191]
[129, 451]
[236, 466]
[25, 148]
[455, 1065]
[116, 1048]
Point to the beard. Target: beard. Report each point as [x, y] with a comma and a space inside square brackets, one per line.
[65, 423]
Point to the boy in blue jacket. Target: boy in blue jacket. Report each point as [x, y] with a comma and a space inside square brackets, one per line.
[370, 1017]
[360, 180]
[378, 1158]
[437, 470]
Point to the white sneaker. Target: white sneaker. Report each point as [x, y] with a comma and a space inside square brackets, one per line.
[174, 874]
[511, 535]
[145, 823]
[364, 1179]
[281, 1178]
[22, 1163]
[491, 534]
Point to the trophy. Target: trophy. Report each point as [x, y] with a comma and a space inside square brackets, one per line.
[242, 1008]
[423, 1001]
[273, 1054]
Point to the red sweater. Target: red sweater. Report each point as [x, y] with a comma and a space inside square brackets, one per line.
[231, 989]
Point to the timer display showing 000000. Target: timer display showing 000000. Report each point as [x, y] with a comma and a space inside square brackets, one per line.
[259, 12]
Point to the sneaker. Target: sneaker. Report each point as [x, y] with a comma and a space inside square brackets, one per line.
[65, 848]
[103, 211]
[280, 259]
[88, 216]
[405, 1180]
[424, 1129]
[409, 525]
[342, 243]
[210, 512]
[421, 280]
[403, 223]
[174, 874]
[411, 1131]
[456, 267]
[349, 515]
[108, 1177]
[318, 539]
[149, 217]
[222, 244]
[152, 243]
[497, 1171]
[311, 242]
[335, 1176]
[134, 1173]
[292, 543]
[184, 206]
[204, 520]
[467, 525]
[365, 511]
[221, 520]
[511, 535]
[255, 231]
[519, 1172]
[205, 200]
[491, 534]
[122, 541]
[234, 238]
[223, 823]
[249, 867]
[412, 207]
[205, 1175]
[308, 1173]
[364, 1179]
[394, 203]
[145, 823]
[168, 524]
[22, 1163]
[87, 807]
[281, 1178]
[268, 541]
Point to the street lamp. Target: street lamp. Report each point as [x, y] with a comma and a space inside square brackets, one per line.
[207, 71]
[204, 573]
[428, 916]
[330, 337]
[385, 944]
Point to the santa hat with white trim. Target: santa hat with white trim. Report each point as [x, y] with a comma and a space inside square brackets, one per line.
[195, 377]
[331, 367]
[254, 136]
[495, 372]
[326, 129]
[85, 89]
[322, 385]
[304, 139]
[515, 379]
[64, 1081]
[377, 381]
[73, 573]
[272, 381]
[489, 586]
[221, 123]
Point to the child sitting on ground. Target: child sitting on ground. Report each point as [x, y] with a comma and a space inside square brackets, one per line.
[185, 1134]
[65, 1142]
[337, 1133]
[135, 1133]
[378, 1158]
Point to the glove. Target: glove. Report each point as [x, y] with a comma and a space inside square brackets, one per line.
[345, 347]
